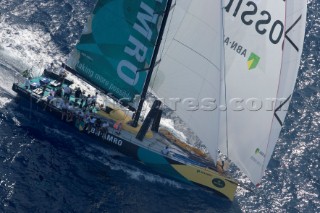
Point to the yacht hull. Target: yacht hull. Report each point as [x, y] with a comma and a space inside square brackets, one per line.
[163, 164]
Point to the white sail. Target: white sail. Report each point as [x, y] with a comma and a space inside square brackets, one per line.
[261, 68]
[190, 67]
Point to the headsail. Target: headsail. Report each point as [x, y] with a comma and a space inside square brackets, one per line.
[188, 76]
[117, 44]
[263, 44]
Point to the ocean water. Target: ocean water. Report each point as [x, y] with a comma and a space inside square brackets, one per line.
[46, 166]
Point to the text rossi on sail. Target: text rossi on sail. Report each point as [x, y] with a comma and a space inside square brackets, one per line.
[262, 23]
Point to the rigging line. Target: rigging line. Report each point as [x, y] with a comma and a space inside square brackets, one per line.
[223, 63]
[163, 46]
[210, 62]
[131, 23]
[152, 63]
[186, 12]
[166, 37]
[279, 81]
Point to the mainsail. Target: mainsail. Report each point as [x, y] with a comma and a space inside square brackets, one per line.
[117, 45]
[263, 44]
[188, 76]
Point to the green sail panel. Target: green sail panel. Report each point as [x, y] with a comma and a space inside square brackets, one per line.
[117, 44]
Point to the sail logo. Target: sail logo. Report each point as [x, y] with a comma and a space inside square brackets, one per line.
[138, 49]
[203, 172]
[259, 152]
[253, 61]
[113, 139]
[235, 46]
[256, 159]
[218, 183]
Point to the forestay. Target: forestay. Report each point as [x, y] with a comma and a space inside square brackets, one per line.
[117, 44]
[188, 76]
[263, 44]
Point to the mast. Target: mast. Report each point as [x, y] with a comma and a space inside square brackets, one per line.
[152, 65]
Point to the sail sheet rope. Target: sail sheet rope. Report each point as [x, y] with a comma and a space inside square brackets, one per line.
[223, 61]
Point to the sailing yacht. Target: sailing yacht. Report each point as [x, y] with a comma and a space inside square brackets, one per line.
[226, 68]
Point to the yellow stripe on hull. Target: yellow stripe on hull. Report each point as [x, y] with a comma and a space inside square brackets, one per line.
[121, 116]
[209, 178]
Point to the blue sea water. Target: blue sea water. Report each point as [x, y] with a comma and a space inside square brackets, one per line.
[46, 166]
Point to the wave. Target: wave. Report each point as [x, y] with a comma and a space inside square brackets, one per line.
[110, 158]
